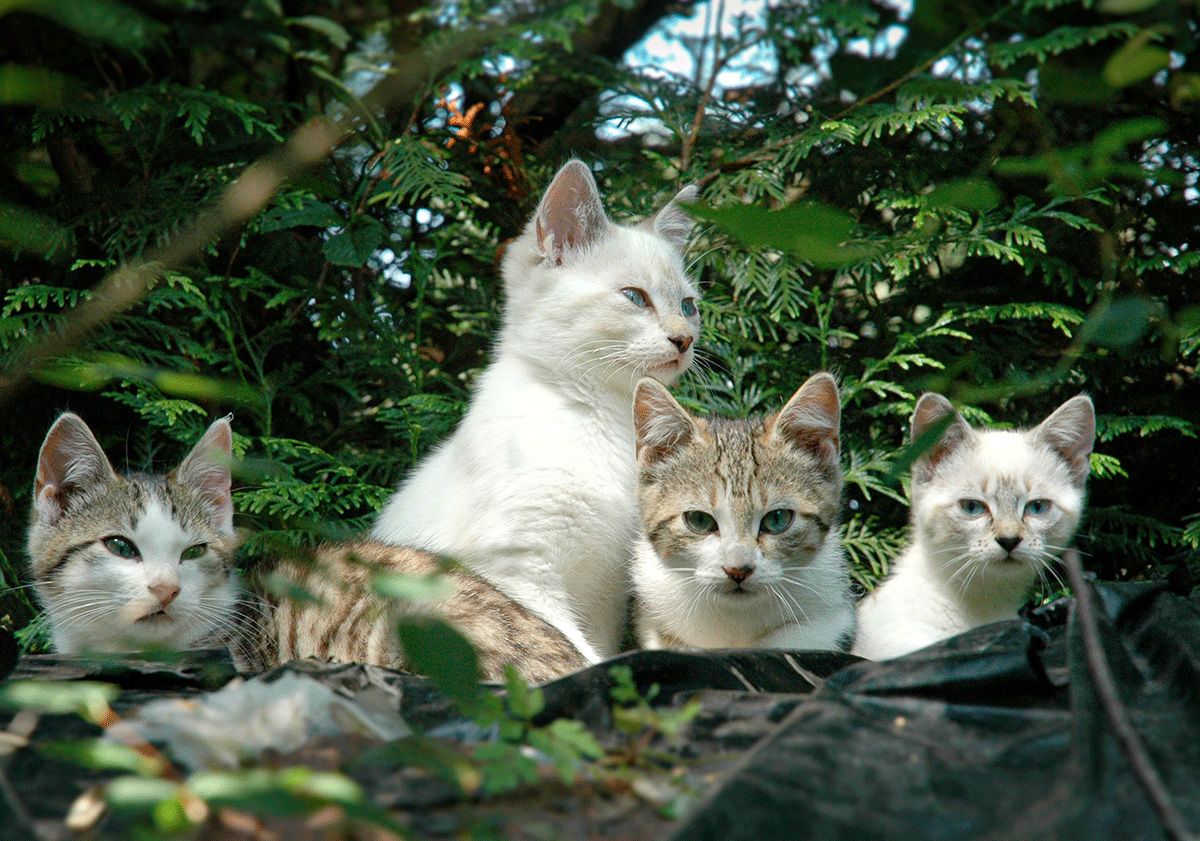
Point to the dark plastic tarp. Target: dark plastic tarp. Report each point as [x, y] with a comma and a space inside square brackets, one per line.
[995, 734]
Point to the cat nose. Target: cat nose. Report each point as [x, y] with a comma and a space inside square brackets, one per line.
[739, 574]
[1008, 541]
[681, 343]
[165, 592]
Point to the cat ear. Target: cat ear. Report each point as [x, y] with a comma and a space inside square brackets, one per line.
[70, 460]
[672, 222]
[570, 215]
[811, 419]
[1071, 432]
[206, 470]
[661, 425]
[931, 409]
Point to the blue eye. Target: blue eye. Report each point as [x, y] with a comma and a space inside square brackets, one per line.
[973, 507]
[122, 547]
[777, 521]
[636, 295]
[701, 522]
[688, 307]
[1037, 507]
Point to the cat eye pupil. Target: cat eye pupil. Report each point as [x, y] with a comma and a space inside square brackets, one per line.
[636, 295]
[701, 522]
[122, 547]
[193, 552]
[1037, 507]
[776, 521]
[972, 507]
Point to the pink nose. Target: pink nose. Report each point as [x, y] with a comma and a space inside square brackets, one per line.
[739, 574]
[164, 592]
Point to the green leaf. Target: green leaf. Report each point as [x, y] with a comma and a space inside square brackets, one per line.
[58, 697]
[814, 232]
[435, 649]
[139, 793]
[311, 213]
[100, 754]
[920, 445]
[22, 229]
[1125, 7]
[1138, 59]
[412, 588]
[970, 194]
[335, 32]
[1121, 323]
[21, 85]
[103, 20]
[355, 245]
[524, 701]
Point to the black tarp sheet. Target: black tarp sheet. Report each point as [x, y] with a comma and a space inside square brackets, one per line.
[995, 734]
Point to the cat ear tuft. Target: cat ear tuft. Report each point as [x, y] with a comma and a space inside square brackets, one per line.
[810, 420]
[661, 425]
[70, 460]
[1071, 432]
[571, 215]
[672, 222]
[930, 411]
[206, 469]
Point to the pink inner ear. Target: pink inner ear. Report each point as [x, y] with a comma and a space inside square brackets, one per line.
[48, 502]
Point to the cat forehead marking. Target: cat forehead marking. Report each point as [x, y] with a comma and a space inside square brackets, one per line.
[158, 534]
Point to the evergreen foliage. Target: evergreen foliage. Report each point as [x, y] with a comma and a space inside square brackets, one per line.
[997, 201]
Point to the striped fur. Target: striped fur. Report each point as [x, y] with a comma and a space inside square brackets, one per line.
[140, 562]
[347, 622]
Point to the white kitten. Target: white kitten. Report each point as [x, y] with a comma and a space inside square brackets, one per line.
[991, 511]
[535, 488]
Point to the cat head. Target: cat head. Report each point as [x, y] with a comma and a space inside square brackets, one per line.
[740, 508]
[592, 300]
[997, 506]
[131, 562]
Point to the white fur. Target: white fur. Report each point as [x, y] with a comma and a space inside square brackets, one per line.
[535, 488]
[107, 598]
[954, 576]
[699, 609]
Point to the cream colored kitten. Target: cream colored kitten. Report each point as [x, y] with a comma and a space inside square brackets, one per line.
[535, 489]
[740, 545]
[136, 562]
[991, 511]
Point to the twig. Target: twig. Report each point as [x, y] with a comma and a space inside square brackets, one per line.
[1106, 692]
[24, 820]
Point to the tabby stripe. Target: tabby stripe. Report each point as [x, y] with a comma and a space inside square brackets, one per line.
[66, 556]
[820, 521]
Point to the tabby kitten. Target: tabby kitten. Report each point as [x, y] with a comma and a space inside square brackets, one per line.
[136, 562]
[740, 545]
[991, 510]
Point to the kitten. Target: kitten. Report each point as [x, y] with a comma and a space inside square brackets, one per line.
[135, 562]
[991, 510]
[535, 488]
[740, 546]
[130, 562]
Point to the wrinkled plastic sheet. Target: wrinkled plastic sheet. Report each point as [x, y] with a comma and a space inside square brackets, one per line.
[995, 734]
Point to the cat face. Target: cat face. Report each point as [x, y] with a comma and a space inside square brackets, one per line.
[594, 301]
[997, 507]
[136, 562]
[739, 509]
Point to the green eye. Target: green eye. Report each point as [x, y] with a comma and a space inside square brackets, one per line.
[193, 552]
[689, 307]
[122, 547]
[973, 507]
[1037, 507]
[701, 522]
[636, 295]
[777, 521]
